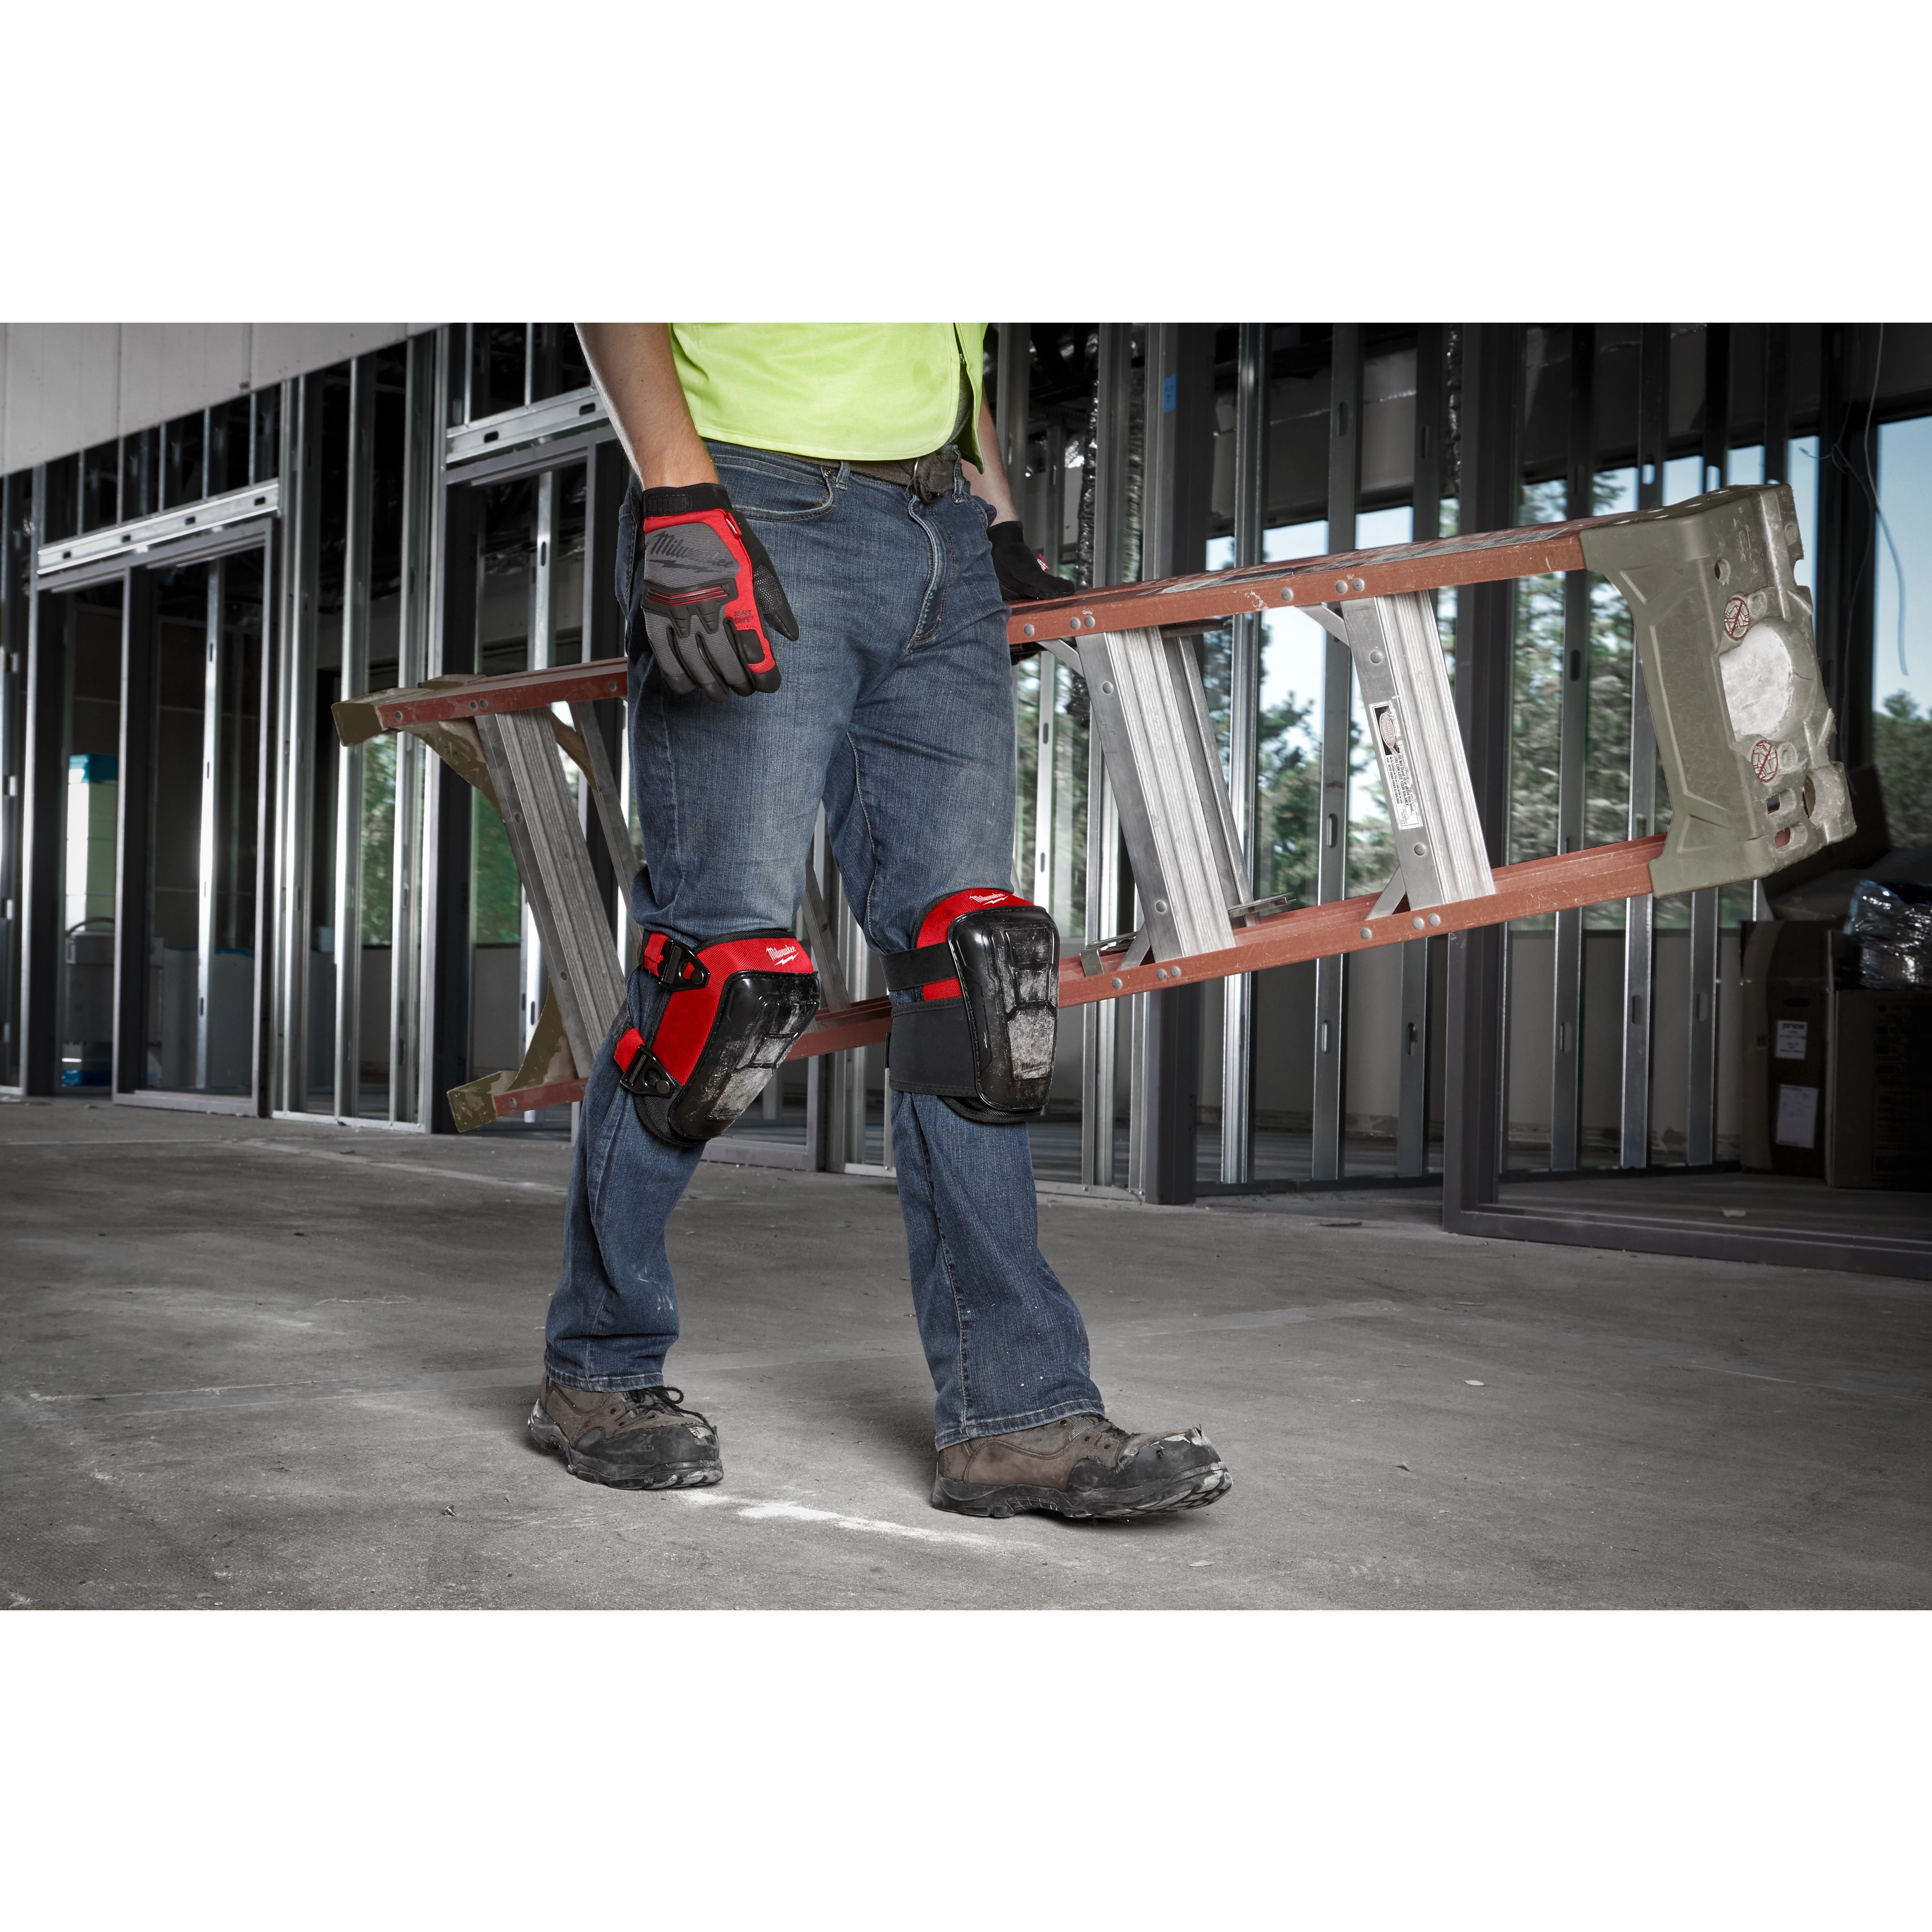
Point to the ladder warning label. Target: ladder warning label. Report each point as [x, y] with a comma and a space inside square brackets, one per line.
[1405, 808]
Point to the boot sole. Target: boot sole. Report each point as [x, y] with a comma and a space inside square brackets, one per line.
[1195, 1490]
[546, 1435]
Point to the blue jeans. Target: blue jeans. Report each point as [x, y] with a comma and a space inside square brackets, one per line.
[896, 709]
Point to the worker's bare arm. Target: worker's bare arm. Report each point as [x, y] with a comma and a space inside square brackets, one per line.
[631, 363]
[990, 484]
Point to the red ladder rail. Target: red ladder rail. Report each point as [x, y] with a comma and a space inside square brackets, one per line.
[1599, 873]
[1202, 599]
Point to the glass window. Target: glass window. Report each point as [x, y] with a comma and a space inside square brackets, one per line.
[1536, 723]
[567, 567]
[61, 514]
[203, 777]
[84, 631]
[184, 452]
[573, 368]
[332, 536]
[139, 456]
[556, 361]
[1683, 479]
[498, 359]
[267, 435]
[1606, 747]
[228, 446]
[388, 370]
[1802, 465]
[1293, 647]
[101, 486]
[1902, 642]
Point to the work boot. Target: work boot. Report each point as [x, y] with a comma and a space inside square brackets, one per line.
[630, 1438]
[1081, 1466]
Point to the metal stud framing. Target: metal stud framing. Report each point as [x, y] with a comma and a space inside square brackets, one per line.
[1411, 1149]
[409, 1067]
[1566, 1079]
[1640, 915]
[16, 601]
[1166, 1082]
[1098, 1027]
[1345, 476]
[1238, 1009]
[296, 750]
[1701, 1117]
[1473, 1060]
[350, 758]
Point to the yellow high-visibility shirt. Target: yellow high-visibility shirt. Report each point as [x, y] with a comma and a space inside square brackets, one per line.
[866, 391]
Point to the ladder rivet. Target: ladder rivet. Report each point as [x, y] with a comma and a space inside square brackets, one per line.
[1367, 932]
[1341, 583]
[1160, 905]
[1418, 921]
[1436, 919]
[1288, 593]
[1116, 985]
[1026, 630]
[1106, 691]
[1359, 585]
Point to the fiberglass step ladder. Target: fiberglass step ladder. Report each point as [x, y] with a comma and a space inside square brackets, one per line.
[1724, 636]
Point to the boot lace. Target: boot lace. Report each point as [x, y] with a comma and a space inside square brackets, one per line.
[670, 1400]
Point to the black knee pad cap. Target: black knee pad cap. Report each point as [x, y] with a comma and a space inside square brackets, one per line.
[981, 1034]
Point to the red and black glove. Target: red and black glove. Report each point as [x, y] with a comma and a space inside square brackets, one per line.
[707, 595]
[1022, 576]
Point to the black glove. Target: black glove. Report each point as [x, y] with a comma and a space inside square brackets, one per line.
[707, 595]
[1022, 578]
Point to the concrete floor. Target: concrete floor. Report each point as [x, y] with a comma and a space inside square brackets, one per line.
[256, 1364]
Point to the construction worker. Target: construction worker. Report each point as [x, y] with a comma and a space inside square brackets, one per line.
[815, 559]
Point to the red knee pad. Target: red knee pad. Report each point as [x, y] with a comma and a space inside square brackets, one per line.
[731, 1011]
